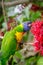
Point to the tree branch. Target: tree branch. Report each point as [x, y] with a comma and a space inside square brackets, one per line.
[28, 50]
[3, 11]
[16, 2]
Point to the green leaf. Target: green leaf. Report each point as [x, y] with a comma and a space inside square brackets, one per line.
[34, 15]
[18, 54]
[30, 61]
[40, 61]
[41, 4]
[25, 37]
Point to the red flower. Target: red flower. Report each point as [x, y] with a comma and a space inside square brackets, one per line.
[36, 45]
[37, 30]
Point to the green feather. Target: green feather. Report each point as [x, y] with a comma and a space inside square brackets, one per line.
[9, 44]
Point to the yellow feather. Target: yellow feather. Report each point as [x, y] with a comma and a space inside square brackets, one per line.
[19, 36]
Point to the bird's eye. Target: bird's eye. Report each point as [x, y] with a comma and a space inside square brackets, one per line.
[29, 25]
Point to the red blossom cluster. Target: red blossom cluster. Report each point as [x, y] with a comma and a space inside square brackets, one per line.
[37, 30]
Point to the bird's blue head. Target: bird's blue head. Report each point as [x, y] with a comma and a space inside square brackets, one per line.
[27, 26]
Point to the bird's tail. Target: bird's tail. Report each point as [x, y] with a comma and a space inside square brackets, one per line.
[2, 61]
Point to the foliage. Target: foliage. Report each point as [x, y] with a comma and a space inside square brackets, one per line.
[25, 16]
[28, 15]
[34, 15]
[39, 3]
[31, 61]
[18, 59]
[40, 61]
[1, 19]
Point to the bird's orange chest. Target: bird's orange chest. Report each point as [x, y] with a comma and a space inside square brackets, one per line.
[19, 36]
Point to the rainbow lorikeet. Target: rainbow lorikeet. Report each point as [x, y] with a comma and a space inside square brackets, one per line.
[11, 39]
